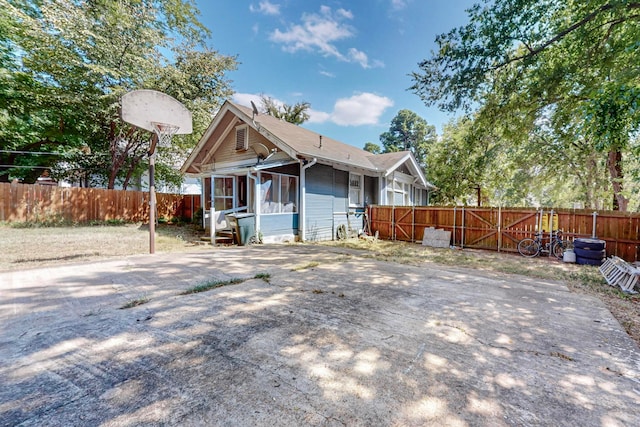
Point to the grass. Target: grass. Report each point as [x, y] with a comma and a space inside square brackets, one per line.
[41, 246]
[135, 302]
[306, 266]
[203, 287]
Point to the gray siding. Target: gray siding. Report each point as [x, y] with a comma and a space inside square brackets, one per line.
[319, 203]
[340, 199]
[279, 224]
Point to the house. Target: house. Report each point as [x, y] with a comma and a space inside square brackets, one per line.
[298, 184]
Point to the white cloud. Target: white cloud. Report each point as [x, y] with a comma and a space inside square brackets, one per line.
[266, 8]
[319, 32]
[246, 98]
[316, 116]
[326, 73]
[362, 109]
[358, 110]
[361, 58]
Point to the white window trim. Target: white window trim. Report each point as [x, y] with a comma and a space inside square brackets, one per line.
[297, 193]
[407, 189]
[361, 187]
[233, 191]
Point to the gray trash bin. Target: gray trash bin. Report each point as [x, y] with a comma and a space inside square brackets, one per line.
[244, 226]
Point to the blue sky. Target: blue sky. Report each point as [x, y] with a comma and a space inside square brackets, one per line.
[349, 59]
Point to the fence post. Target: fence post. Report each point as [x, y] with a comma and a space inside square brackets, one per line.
[462, 238]
[454, 225]
[499, 227]
[413, 224]
[393, 223]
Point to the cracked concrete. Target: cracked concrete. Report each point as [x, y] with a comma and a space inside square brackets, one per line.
[350, 341]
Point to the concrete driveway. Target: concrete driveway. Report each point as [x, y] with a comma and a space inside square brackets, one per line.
[346, 342]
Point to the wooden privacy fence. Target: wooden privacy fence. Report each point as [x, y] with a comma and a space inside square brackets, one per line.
[500, 229]
[41, 203]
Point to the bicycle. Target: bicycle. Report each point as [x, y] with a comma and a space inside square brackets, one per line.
[530, 248]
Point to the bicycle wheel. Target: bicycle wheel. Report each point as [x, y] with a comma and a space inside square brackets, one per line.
[528, 247]
[557, 249]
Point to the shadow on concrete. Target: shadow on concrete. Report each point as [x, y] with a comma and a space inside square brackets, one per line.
[349, 341]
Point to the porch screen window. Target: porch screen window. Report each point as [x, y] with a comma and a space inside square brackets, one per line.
[278, 193]
[355, 189]
[223, 193]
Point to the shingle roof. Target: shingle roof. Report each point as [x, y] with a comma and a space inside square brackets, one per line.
[301, 142]
[309, 144]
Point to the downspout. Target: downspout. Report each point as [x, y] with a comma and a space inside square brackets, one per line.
[302, 218]
[256, 197]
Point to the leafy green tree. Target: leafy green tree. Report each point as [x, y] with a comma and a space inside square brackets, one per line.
[372, 148]
[519, 62]
[296, 114]
[65, 65]
[409, 132]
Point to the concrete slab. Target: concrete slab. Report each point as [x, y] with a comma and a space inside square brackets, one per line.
[349, 341]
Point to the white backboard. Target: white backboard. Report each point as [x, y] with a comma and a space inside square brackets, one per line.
[145, 107]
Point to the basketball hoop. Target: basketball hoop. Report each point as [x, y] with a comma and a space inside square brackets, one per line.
[163, 115]
[165, 132]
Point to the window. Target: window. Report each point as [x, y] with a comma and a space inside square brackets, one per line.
[278, 193]
[355, 189]
[242, 138]
[398, 193]
[223, 193]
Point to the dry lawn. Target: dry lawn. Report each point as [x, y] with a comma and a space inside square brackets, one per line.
[42, 246]
[24, 248]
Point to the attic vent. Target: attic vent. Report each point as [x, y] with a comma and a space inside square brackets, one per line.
[242, 138]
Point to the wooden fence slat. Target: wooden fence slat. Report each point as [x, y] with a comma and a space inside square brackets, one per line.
[478, 227]
[25, 202]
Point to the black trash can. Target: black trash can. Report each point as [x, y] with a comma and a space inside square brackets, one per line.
[244, 227]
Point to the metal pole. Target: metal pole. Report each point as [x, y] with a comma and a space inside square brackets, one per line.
[593, 229]
[152, 194]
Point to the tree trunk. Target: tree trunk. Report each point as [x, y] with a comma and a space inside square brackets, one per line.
[614, 164]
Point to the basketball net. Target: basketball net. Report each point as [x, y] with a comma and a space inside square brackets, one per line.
[165, 132]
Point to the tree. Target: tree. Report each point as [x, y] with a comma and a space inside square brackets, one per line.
[372, 148]
[565, 62]
[68, 63]
[296, 114]
[409, 132]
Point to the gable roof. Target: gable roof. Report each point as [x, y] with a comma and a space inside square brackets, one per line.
[299, 142]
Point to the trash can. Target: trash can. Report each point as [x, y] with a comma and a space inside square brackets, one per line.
[243, 225]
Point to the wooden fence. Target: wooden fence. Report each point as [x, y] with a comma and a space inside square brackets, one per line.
[43, 203]
[500, 229]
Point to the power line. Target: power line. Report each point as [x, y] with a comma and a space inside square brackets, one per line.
[30, 152]
[24, 167]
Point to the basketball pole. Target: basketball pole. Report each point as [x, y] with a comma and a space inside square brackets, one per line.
[152, 194]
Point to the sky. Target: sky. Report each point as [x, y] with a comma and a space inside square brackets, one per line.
[350, 60]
